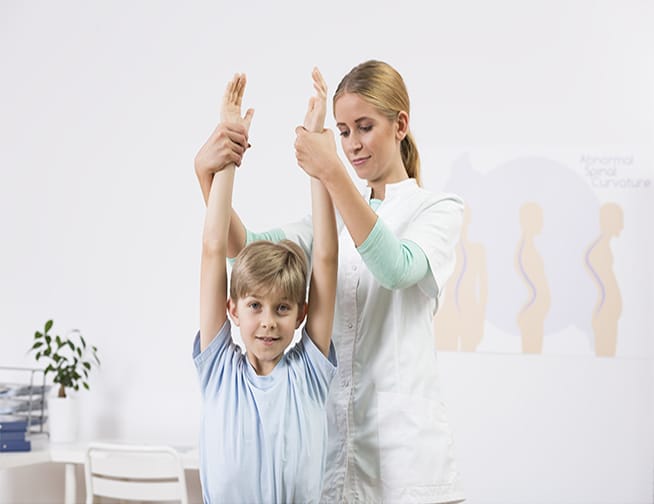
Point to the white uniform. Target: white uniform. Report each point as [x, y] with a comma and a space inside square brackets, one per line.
[389, 439]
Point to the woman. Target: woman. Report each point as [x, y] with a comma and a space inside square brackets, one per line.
[389, 439]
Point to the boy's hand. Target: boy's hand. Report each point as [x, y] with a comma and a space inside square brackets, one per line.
[230, 110]
[229, 140]
[313, 143]
[317, 109]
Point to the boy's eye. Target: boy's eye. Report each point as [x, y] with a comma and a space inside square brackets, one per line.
[255, 305]
[283, 308]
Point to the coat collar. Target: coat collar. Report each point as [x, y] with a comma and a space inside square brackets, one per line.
[394, 189]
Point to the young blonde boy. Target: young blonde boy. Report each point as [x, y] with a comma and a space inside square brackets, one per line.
[264, 427]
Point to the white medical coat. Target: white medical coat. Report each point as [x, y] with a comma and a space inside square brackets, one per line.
[389, 439]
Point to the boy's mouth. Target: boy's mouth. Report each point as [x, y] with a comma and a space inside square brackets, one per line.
[268, 340]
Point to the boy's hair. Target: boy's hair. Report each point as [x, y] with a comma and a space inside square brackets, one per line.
[263, 266]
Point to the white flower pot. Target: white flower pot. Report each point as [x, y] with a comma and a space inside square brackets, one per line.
[63, 418]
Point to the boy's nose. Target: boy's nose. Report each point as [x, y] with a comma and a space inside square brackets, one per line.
[268, 323]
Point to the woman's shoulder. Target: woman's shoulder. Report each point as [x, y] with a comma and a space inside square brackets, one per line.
[428, 198]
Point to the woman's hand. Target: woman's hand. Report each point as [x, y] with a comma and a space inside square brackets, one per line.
[316, 152]
[229, 140]
[317, 109]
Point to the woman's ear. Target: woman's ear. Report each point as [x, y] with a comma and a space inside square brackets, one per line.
[402, 123]
[232, 311]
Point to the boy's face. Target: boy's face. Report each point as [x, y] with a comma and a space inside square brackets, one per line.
[267, 322]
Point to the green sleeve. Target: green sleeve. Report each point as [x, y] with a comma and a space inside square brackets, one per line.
[394, 263]
[274, 235]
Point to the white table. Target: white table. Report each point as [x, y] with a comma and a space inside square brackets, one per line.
[72, 454]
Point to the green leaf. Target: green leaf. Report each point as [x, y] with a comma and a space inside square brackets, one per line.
[66, 357]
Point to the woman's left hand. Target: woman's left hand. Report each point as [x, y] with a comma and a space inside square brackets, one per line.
[316, 152]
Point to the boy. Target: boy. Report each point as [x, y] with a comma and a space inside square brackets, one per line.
[263, 433]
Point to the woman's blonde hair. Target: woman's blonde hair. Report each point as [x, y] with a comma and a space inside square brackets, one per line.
[263, 266]
[383, 87]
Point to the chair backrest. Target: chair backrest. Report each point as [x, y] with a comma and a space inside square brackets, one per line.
[134, 472]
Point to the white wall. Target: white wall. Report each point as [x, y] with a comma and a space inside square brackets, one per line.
[103, 106]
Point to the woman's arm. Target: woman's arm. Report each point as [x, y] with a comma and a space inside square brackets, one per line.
[320, 160]
[395, 263]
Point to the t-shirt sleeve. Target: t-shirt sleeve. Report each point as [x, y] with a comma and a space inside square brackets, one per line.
[210, 363]
[318, 370]
[436, 231]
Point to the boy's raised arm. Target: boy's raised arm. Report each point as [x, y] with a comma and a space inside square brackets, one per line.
[322, 287]
[213, 274]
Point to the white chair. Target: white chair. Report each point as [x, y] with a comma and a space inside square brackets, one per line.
[134, 472]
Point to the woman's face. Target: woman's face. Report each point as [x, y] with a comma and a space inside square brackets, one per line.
[370, 140]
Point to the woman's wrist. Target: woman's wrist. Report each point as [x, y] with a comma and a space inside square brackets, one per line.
[333, 175]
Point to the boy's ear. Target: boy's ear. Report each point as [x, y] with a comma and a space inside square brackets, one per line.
[301, 313]
[232, 311]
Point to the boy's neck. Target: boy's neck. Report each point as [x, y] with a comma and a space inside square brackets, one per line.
[262, 368]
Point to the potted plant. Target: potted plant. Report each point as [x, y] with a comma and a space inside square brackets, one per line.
[70, 360]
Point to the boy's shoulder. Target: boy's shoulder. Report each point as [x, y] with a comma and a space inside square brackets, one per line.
[221, 358]
[305, 350]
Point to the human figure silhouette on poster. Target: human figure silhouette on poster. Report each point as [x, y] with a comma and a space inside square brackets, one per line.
[460, 321]
[598, 260]
[531, 269]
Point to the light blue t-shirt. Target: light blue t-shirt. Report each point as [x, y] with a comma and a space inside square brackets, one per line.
[262, 438]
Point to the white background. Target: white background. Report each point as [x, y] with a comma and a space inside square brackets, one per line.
[104, 105]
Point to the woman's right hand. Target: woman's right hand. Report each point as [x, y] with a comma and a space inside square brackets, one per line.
[225, 146]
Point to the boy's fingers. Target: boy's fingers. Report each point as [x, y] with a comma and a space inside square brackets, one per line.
[248, 117]
[319, 82]
[239, 90]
